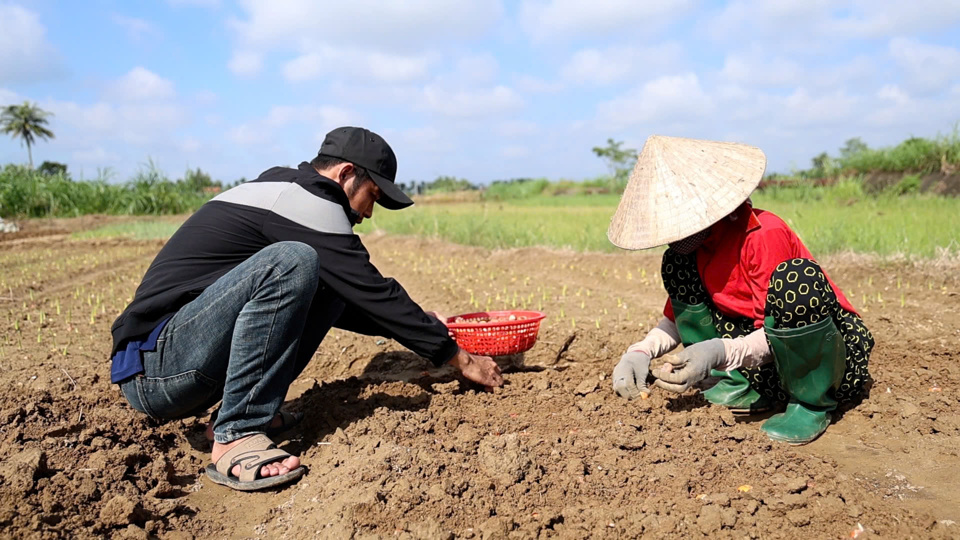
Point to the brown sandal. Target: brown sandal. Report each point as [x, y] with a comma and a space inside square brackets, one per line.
[251, 455]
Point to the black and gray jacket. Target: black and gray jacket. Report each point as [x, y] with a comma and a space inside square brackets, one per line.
[282, 204]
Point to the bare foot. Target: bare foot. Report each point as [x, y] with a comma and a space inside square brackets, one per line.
[276, 422]
[270, 469]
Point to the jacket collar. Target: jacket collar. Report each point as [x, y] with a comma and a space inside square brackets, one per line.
[310, 175]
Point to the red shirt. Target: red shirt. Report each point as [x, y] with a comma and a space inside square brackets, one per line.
[738, 258]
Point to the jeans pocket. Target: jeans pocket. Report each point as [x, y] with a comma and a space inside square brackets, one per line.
[177, 396]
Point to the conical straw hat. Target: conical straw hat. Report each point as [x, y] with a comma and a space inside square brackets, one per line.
[682, 186]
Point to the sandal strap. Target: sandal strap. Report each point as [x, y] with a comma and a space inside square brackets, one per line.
[254, 444]
[250, 471]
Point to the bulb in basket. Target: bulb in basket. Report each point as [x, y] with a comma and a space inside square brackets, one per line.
[496, 333]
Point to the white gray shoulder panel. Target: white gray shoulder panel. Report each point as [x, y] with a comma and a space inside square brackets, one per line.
[293, 202]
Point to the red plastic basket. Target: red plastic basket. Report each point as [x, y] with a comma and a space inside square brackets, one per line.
[496, 338]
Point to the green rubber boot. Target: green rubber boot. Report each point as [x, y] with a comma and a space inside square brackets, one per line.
[695, 324]
[734, 392]
[810, 361]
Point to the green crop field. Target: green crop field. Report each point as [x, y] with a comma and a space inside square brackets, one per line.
[829, 220]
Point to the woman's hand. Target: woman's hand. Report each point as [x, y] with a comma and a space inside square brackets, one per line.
[630, 375]
[690, 366]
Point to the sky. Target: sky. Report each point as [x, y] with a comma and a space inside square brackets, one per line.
[478, 89]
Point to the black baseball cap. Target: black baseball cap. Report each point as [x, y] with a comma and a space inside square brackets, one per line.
[366, 149]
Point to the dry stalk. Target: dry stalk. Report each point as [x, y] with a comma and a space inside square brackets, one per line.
[69, 377]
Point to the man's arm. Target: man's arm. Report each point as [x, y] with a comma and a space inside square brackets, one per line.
[356, 321]
[377, 304]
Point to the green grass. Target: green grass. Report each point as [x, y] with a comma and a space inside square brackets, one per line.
[916, 154]
[839, 218]
[828, 220]
[606, 200]
[534, 188]
[139, 230]
[30, 193]
[500, 225]
[915, 226]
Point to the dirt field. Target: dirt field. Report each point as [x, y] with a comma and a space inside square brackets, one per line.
[396, 449]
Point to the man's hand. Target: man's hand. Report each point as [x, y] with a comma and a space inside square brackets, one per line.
[630, 375]
[479, 369]
[691, 365]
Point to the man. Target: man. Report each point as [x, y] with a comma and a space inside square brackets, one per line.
[745, 296]
[238, 300]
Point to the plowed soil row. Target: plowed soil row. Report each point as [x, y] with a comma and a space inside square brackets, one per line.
[396, 448]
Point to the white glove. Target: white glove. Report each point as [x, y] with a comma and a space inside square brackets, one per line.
[630, 375]
[691, 365]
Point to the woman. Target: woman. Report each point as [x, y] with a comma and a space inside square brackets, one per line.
[746, 298]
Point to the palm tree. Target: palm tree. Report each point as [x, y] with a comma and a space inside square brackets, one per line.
[27, 122]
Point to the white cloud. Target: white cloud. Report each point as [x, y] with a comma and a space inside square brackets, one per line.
[803, 109]
[246, 135]
[195, 3]
[190, 145]
[470, 103]
[514, 152]
[141, 84]
[518, 128]
[893, 93]
[756, 68]
[137, 29]
[669, 99]
[139, 124]
[903, 115]
[25, 54]
[762, 18]
[282, 115]
[476, 69]
[530, 84]
[377, 66]
[96, 156]
[607, 66]
[886, 18]
[264, 130]
[798, 25]
[394, 25]
[8, 96]
[245, 63]
[421, 140]
[790, 127]
[391, 41]
[928, 68]
[426, 151]
[753, 71]
[548, 20]
[205, 97]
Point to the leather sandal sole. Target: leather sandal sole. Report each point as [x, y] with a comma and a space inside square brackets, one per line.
[254, 485]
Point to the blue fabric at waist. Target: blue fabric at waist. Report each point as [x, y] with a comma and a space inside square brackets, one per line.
[128, 361]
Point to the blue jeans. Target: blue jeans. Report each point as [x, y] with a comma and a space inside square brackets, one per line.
[242, 341]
